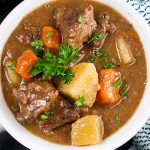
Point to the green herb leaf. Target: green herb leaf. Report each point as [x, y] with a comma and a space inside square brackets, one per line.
[67, 76]
[105, 54]
[48, 65]
[118, 119]
[97, 52]
[80, 101]
[52, 66]
[107, 63]
[91, 60]
[49, 34]
[37, 42]
[123, 92]
[80, 19]
[38, 47]
[117, 83]
[67, 54]
[95, 36]
[39, 51]
[46, 115]
[12, 65]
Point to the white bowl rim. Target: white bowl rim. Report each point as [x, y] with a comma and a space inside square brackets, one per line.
[125, 133]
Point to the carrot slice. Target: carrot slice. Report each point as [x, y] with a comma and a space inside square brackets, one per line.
[26, 60]
[50, 37]
[108, 94]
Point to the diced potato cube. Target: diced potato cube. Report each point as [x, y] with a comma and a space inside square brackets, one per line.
[85, 83]
[88, 130]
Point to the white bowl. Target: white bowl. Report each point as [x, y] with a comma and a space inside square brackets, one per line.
[114, 141]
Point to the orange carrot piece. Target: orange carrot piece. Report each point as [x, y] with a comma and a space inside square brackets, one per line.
[50, 37]
[108, 94]
[24, 62]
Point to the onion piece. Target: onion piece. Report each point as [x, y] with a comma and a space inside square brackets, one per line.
[124, 52]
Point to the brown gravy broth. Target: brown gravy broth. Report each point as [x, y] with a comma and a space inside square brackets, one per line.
[135, 75]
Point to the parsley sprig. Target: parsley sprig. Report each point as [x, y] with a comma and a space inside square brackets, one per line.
[46, 115]
[123, 92]
[118, 119]
[99, 53]
[50, 65]
[49, 34]
[103, 56]
[12, 65]
[80, 101]
[91, 60]
[95, 36]
[38, 47]
[107, 63]
[80, 19]
[117, 83]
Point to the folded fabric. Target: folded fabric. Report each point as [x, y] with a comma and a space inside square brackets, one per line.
[141, 141]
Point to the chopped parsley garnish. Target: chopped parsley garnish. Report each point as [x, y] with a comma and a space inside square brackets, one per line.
[67, 54]
[95, 36]
[50, 65]
[108, 63]
[97, 52]
[46, 115]
[12, 65]
[123, 92]
[117, 83]
[80, 19]
[80, 101]
[67, 76]
[49, 34]
[37, 42]
[91, 60]
[105, 54]
[38, 47]
[118, 119]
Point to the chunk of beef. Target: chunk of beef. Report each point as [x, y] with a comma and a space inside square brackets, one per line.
[73, 31]
[64, 112]
[30, 32]
[40, 96]
[23, 115]
[105, 26]
[36, 97]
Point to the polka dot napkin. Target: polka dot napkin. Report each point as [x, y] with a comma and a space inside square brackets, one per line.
[141, 141]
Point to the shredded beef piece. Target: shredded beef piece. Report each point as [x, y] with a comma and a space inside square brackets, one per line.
[30, 32]
[64, 112]
[39, 96]
[74, 32]
[23, 115]
[36, 97]
[105, 26]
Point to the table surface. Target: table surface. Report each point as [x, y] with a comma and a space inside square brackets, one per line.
[6, 141]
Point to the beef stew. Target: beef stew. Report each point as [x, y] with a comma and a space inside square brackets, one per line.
[73, 68]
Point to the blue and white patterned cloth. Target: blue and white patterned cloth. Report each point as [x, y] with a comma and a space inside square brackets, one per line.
[141, 141]
[143, 7]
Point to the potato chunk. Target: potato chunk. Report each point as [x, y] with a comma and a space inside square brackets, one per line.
[88, 130]
[11, 74]
[124, 51]
[84, 83]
